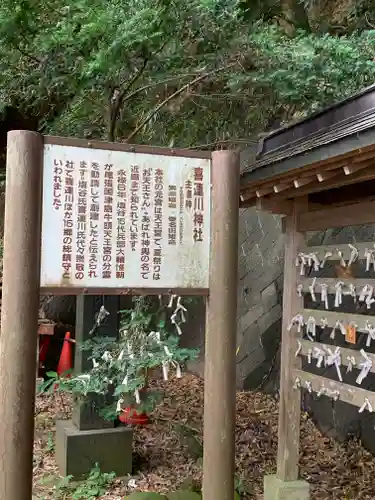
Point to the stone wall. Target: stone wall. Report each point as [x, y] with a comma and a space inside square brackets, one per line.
[261, 247]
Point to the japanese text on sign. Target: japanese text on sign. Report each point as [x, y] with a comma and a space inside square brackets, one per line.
[114, 219]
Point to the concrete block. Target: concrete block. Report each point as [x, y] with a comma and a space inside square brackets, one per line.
[77, 451]
[268, 319]
[269, 297]
[251, 316]
[275, 489]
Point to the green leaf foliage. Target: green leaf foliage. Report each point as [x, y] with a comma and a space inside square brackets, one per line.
[178, 73]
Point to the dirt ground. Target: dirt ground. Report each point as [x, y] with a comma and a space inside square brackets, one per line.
[169, 450]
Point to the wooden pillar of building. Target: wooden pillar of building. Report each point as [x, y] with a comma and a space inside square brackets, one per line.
[286, 478]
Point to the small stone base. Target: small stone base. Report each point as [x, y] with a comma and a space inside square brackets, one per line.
[77, 452]
[275, 489]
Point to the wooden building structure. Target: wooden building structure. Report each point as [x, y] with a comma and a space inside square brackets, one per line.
[320, 173]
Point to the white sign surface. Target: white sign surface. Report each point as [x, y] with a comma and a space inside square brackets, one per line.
[114, 219]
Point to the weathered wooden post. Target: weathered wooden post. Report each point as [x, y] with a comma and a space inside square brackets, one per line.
[19, 314]
[286, 481]
[220, 351]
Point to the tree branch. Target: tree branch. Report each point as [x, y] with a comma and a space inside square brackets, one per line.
[173, 96]
[114, 110]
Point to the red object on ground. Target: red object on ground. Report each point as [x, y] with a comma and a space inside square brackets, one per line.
[130, 416]
[66, 357]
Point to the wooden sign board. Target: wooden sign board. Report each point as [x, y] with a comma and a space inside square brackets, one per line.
[115, 220]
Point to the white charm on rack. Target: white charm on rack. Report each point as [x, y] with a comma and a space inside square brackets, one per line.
[300, 290]
[322, 391]
[319, 355]
[311, 328]
[369, 299]
[370, 330]
[338, 293]
[370, 258]
[299, 348]
[342, 260]
[312, 290]
[297, 383]
[340, 326]
[307, 259]
[323, 323]
[335, 395]
[353, 292]
[365, 367]
[366, 405]
[364, 292]
[354, 254]
[309, 356]
[324, 294]
[297, 320]
[334, 358]
[308, 386]
[351, 363]
[326, 257]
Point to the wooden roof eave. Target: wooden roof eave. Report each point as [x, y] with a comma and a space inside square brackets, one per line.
[315, 176]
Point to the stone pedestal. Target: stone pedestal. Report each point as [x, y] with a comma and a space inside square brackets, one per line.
[275, 489]
[77, 451]
[88, 438]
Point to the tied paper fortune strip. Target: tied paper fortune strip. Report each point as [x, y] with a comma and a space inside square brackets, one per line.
[351, 363]
[366, 405]
[370, 330]
[366, 295]
[340, 326]
[296, 320]
[334, 358]
[324, 294]
[180, 309]
[326, 257]
[307, 259]
[312, 290]
[370, 258]
[311, 328]
[338, 293]
[170, 361]
[354, 254]
[365, 367]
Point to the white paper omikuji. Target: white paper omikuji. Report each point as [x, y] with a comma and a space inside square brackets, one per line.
[137, 397]
[120, 402]
[165, 367]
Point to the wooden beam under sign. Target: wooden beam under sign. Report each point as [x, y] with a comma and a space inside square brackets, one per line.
[348, 393]
[332, 217]
[278, 207]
